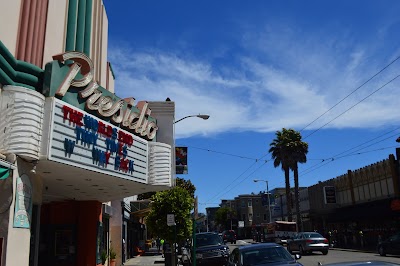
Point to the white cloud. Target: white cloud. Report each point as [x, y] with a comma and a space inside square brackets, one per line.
[292, 80]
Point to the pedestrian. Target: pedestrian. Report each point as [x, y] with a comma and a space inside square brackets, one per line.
[163, 246]
[158, 243]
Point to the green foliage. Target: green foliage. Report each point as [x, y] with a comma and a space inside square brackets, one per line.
[186, 184]
[180, 182]
[287, 150]
[224, 215]
[146, 195]
[177, 201]
[113, 254]
[103, 256]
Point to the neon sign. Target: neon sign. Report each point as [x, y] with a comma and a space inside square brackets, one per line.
[105, 106]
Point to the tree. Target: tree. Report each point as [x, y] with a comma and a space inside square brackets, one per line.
[280, 154]
[177, 201]
[298, 154]
[224, 215]
[180, 182]
[288, 150]
[186, 184]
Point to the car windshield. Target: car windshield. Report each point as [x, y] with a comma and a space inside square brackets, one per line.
[208, 240]
[312, 235]
[265, 256]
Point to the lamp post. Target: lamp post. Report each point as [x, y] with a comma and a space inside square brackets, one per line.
[204, 117]
[193, 257]
[269, 203]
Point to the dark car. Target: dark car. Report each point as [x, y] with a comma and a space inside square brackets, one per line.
[361, 263]
[210, 250]
[390, 245]
[307, 242]
[229, 236]
[262, 254]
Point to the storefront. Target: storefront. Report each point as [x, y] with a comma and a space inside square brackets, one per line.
[76, 146]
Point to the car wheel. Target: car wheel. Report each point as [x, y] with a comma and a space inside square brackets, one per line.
[289, 249]
[324, 252]
[301, 250]
[381, 251]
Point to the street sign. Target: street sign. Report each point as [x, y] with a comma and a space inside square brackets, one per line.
[329, 194]
[170, 219]
[240, 224]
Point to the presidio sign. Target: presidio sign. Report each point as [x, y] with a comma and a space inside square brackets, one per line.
[77, 79]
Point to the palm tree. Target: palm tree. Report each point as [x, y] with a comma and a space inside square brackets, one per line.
[298, 154]
[287, 150]
[281, 155]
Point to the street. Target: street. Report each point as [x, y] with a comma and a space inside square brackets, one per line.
[333, 256]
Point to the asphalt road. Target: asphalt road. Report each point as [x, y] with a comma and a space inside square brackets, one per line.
[341, 256]
[334, 256]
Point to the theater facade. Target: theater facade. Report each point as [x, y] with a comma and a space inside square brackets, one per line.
[69, 146]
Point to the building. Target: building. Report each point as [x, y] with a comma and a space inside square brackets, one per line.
[72, 152]
[360, 205]
[211, 224]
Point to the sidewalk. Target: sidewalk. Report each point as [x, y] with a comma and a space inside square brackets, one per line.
[150, 258]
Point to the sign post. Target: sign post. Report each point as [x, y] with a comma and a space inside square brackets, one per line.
[171, 222]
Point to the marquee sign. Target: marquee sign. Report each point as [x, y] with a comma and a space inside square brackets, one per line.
[80, 139]
[68, 81]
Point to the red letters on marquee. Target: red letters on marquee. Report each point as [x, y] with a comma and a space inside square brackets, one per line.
[73, 115]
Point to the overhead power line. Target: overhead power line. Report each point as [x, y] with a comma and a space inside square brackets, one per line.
[348, 95]
[224, 153]
[351, 107]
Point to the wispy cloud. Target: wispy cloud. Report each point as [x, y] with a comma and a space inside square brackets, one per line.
[287, 79]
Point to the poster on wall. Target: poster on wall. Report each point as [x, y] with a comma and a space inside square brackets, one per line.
[23, 203]
[181, 160]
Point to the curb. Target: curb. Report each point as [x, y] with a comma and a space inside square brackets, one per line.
[353, 250]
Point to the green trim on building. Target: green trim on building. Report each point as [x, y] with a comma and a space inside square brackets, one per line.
[80, 26]
[71, 25]
[88, 27]
[20, 73]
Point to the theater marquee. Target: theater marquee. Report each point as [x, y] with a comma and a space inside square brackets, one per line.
[80, 139]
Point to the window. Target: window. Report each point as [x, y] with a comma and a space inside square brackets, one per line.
[258, 215]
[249, 203]
[265, 217]
[242, 203]
[250, 217]
[243, 217]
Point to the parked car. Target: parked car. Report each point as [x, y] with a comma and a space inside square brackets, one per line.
[262, 254]
[361, 263]
[307, 242]
[210, 250]
[390, 245]
[229, 236]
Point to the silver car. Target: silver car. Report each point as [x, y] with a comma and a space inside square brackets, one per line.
[307, 242]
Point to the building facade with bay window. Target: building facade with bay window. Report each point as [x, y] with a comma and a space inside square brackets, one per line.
[71, 150]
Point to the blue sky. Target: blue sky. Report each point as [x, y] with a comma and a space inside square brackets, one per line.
[256, 67]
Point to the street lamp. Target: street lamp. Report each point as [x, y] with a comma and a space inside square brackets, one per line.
[269, 203]
[205, 117]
